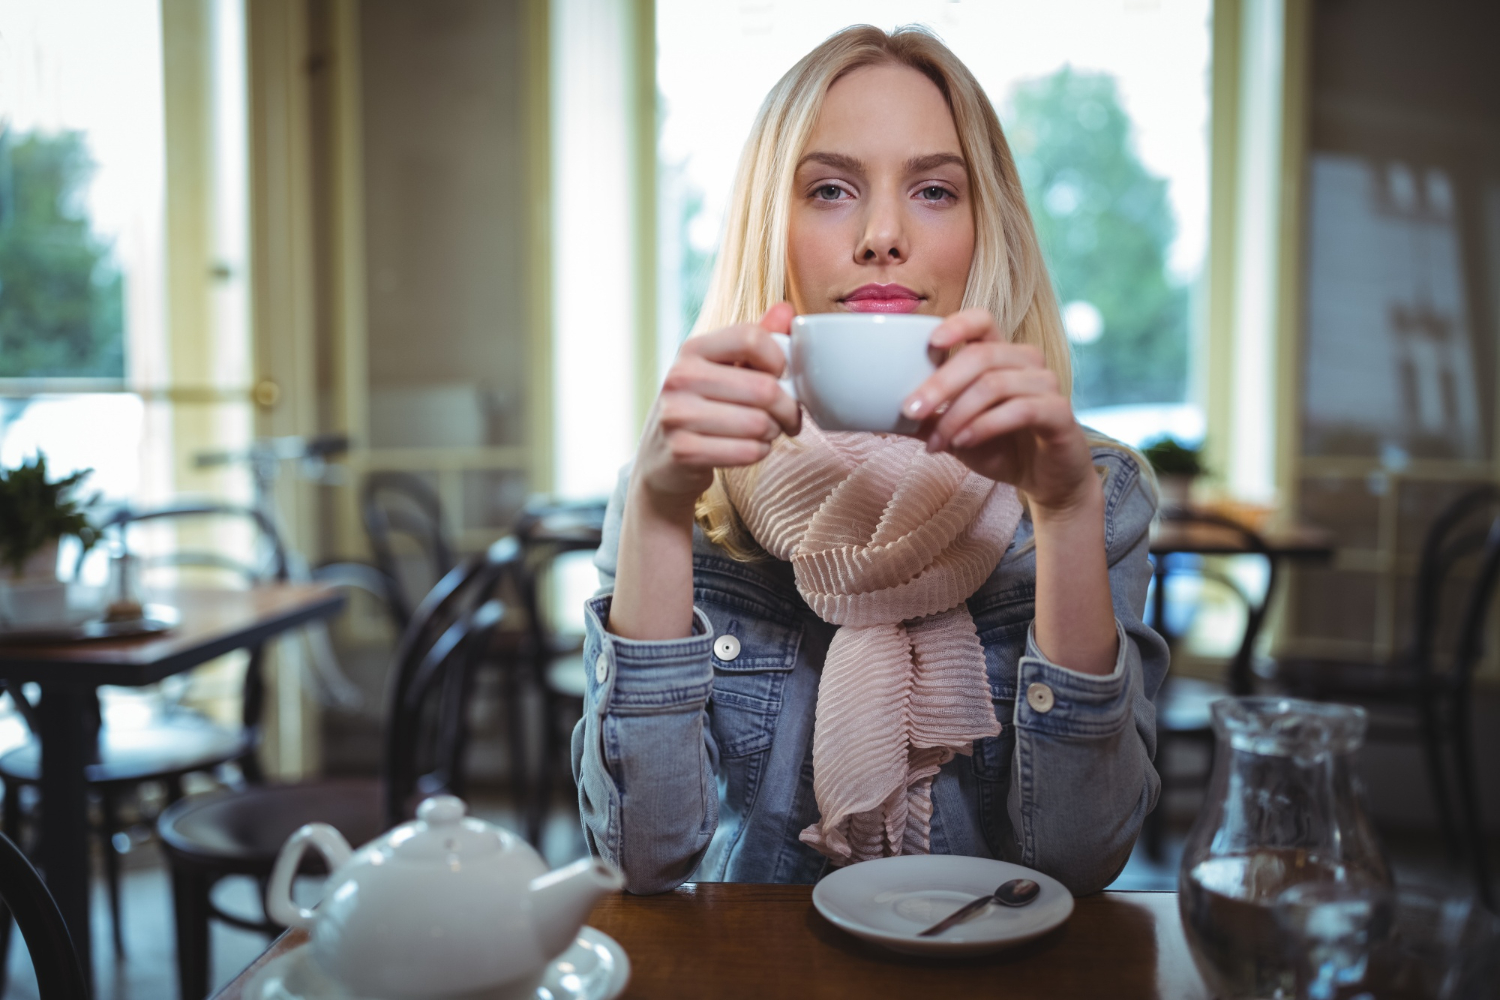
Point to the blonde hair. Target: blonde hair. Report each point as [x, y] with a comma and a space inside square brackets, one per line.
[1007, 275]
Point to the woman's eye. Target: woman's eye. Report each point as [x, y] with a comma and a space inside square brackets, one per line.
[935, 193]
[828, 192]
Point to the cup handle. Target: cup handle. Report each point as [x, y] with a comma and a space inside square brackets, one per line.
[785, 343]
[335, 850]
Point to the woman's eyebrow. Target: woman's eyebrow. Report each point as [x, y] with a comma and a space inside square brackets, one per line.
[838, 161]
[918, 164]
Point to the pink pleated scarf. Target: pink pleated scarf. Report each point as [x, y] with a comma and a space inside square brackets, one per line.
[887, 542]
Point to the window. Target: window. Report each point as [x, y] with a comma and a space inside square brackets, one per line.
[1105, 104]
[105, 363]
[81, 257]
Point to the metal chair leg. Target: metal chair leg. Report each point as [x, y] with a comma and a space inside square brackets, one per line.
[1468, 792]
[108, 827]
[541, 799]
[190, 906]
[1437, 772]
[11, 824]
[520, 776]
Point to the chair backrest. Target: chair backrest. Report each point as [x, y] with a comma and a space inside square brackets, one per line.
[1243, 540]
[547, 529]
[1463, 541]
[426, 732]
[275, 565]
[59, 973]
[399, 504]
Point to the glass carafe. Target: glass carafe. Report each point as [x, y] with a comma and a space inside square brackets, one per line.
[1284, 808]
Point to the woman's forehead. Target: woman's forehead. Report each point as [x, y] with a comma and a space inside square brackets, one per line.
[884, 110]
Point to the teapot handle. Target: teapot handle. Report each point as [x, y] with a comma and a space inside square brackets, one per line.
[335, 850]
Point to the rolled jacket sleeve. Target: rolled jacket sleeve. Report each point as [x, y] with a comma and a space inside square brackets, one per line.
[1082, 777]
[650, 812]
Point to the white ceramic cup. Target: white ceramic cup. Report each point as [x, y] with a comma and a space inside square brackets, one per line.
[852, 371]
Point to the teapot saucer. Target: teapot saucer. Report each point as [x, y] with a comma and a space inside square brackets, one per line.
[594, 967]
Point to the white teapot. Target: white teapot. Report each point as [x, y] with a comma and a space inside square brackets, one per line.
[445, 905]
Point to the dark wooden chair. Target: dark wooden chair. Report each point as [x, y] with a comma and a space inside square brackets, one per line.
[1423, 694]
[240, 832]
[1182, 703]
[547, 530]
[400, 505]
[178, 741]
[59, 973]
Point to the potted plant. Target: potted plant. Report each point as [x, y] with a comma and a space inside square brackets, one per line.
[34, 515]
[1177, 465]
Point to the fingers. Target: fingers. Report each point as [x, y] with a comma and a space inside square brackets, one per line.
[965, 325]
[1046, 413]
[748, 344]
[957, 373]
[685, 411]
[778, 318]
[991, 388]
[742, 386]
[702, 451]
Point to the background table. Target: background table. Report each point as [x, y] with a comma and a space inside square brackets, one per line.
[733, 940]
[214, 622]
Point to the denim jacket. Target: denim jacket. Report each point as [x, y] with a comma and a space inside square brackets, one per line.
[690, 766]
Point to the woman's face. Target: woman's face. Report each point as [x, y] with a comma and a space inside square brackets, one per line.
[881, 219]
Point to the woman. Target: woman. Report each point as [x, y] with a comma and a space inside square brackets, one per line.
[812, 649]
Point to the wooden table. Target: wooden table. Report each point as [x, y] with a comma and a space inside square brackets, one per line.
[1291, 541]
[213, 622]
[731, 940]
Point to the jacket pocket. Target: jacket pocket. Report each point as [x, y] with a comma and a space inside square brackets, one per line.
[754, 649]
[991, 763]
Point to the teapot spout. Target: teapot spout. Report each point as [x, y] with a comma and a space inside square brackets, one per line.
[561, 900]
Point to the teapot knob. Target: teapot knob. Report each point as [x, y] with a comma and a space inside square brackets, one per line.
[442, 810]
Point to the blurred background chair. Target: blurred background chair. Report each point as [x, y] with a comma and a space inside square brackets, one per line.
[404, 523]
[239, 832]
[59, 974]
[553, 657]
[173, 740]
[1182, 703]
[1424, 694]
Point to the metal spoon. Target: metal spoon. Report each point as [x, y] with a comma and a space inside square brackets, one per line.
[1016, 892]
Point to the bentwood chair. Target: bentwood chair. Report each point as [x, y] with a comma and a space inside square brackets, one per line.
[548, 530]
[176, 741]
[1424, 693]
[59, 973]
[399, 511]
[210, 837]
[1182, 703]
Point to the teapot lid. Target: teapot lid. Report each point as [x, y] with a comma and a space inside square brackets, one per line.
[443, 832]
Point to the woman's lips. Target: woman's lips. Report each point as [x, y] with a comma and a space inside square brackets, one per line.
[882, 299]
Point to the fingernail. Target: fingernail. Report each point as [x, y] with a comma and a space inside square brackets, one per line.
[962, 439]
[913, 408]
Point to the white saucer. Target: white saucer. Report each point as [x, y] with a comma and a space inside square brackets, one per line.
[594, 967]
[890, 900]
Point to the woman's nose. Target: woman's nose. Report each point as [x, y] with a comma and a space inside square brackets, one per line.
[883, 240]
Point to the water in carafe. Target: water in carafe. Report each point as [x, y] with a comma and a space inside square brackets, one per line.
[1283, 810]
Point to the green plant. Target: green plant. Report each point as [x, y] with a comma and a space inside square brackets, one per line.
[34, 512]
[1170, 457]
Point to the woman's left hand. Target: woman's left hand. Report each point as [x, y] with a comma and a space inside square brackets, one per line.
[1004, 416]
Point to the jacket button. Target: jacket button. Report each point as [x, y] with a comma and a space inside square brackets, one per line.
[726, 647]
[601, 668]
[1039, 697]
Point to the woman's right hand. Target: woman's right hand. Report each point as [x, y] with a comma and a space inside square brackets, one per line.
[720, 406]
